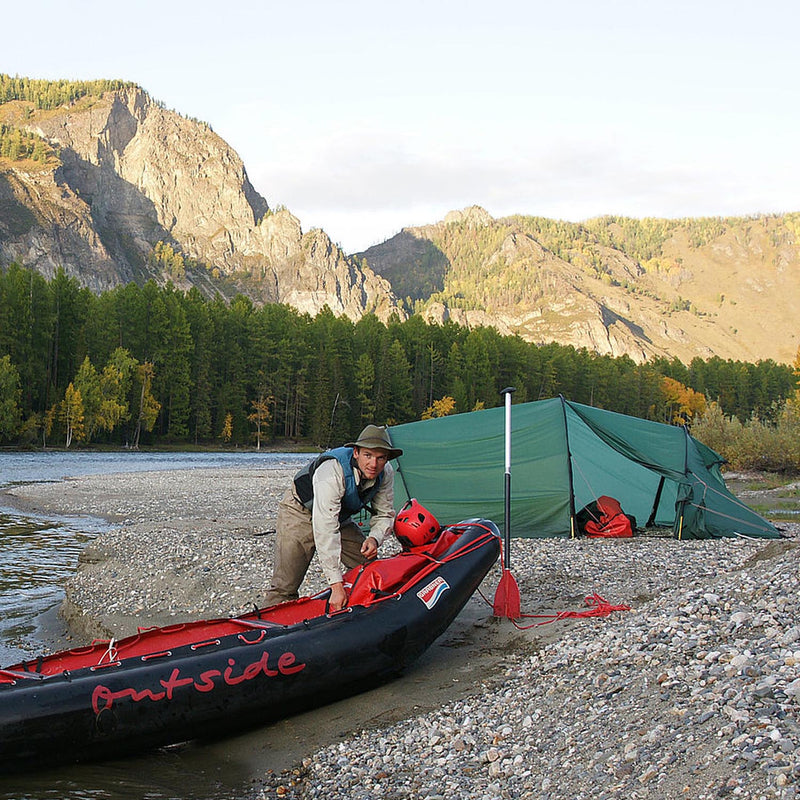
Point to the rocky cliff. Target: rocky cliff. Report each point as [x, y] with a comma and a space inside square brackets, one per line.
[130, 174]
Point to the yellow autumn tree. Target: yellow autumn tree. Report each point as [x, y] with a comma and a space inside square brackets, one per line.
[113, 405]
[795, 400]
[227, 428]
[261, 415]
[681, 403]
[149, 407]
[440, 408]
[71, 414]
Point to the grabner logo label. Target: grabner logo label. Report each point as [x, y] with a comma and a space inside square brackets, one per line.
[433, 591]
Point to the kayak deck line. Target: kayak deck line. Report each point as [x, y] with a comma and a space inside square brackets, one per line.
[30, 676]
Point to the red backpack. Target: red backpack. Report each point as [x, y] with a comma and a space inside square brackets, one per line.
[605, 518]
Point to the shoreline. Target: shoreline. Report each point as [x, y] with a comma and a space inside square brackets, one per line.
[490, 711]
[197, 543]
[170, 523]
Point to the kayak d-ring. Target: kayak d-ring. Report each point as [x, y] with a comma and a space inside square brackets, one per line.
[204, 644]
[162, 654]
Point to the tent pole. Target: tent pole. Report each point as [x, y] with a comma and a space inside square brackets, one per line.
[652, 518]
[685, 471]
[569, 469]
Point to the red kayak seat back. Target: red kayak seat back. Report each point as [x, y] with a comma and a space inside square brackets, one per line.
[385, 576]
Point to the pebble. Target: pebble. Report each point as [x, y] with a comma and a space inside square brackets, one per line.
[694, 692]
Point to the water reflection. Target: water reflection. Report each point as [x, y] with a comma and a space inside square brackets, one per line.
[36, 557]
[163, 775]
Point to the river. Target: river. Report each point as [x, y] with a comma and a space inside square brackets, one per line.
[38, 554]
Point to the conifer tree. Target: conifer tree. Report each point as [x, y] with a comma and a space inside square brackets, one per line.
[10, 394]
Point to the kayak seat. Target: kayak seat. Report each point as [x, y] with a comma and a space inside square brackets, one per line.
[443, 542]
[382, 577]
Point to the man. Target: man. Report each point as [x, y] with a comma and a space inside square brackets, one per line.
[315, 514]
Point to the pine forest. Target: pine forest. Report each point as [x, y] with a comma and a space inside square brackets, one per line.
[155, 365]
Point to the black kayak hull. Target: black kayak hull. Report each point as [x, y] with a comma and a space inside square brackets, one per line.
[222, 681]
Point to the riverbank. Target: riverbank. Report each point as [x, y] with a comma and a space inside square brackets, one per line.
[190, 543]
[692, 693]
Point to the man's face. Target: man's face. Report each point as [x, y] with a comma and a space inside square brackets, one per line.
[370, 461]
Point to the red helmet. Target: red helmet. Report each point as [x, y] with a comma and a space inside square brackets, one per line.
[414, 525]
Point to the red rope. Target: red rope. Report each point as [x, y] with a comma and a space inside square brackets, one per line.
[597, 607]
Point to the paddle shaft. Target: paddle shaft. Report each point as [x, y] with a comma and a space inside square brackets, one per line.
[507, 482]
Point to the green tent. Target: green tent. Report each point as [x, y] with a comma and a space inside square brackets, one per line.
[564, 455]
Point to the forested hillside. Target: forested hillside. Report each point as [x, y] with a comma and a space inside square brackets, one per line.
[155, 364]
[647, 288]
[52, 94]
[99, 179]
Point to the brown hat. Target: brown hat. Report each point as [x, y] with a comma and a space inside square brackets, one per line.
[376, 438]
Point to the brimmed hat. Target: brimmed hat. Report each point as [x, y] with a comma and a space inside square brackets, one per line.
[376, 438]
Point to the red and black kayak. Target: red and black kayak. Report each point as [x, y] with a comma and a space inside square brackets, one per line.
[205, 678]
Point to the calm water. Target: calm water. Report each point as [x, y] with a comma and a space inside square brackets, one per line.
[37, 555]
[56, 465]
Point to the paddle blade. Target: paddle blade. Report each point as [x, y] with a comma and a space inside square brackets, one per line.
[506, 598]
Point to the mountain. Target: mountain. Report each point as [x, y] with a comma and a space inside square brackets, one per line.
[101, 180]
[123, 174]
[689, 288]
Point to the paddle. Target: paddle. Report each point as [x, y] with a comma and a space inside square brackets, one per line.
[506, 598]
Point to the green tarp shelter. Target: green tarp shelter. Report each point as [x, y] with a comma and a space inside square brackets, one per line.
[563, 456]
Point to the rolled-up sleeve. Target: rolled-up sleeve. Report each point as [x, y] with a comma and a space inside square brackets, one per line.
[328, 492]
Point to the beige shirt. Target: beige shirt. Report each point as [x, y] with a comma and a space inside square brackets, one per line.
[329, 489]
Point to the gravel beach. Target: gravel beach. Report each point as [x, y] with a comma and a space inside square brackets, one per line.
[693, 693]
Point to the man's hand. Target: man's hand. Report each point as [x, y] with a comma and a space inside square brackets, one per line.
[338, 597]
[370, 548]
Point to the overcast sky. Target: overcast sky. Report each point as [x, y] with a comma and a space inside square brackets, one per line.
[366, 117]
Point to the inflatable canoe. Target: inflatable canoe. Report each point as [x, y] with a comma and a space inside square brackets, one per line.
[205, 678]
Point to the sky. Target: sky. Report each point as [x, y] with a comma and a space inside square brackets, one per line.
[363, 118]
